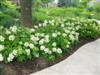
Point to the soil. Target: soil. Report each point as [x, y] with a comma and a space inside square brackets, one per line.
[34, 65]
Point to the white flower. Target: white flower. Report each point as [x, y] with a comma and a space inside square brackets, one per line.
[64, 34]
[14, 52]
[62, 25]
[49, 21]
[1, 27]
[67, 31]
[13, 29]
[31, 45]
[32, 30]
[1, 57]
[1, 38]
[47, 36]
[46, 50]
[69, 43]
[7, 32]
[73, 32]
[42, 47]
[71, 37]
[28, 51]
[33, 38]
[98, 21]
[42, 35]
[54, 35]
[54, 49]
[59, 51]
[49, 52]
[36, 38]
[45, 21]
[40, 25]
[41, 41]
[54, 44]
[53, 21]
[44, 24]
[67, 46]
[10, 57]
[46, 40]
[11, 37]
[37, 34]
[70, 28]
[52, 24]
[77, 27]
[77, 36]
[2, 47]
[35, 26]
[59, 33]
[26, 44]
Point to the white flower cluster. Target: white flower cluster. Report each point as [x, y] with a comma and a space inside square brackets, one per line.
[1, 47]
[12, 56]
[54, 44]
[46, 50]
[8, 32]
[45, 39]
[50, 51]
[57, 50]
[32, 30]
[52, 22]
[34, 38]
[28, 51]
[40, 25]
[71, 33]
[54, 35]
[31, 45]
[2, 38]
[13, 28]
[11, 37]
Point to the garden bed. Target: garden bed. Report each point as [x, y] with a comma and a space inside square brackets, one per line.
[34, 65]
[56, 34]
[27, 50]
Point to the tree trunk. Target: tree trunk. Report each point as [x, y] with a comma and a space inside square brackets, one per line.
[26, 12]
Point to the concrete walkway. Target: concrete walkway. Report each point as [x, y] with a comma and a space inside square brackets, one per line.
[85, 61]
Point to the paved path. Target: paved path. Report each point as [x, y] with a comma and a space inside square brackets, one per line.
[85, 61]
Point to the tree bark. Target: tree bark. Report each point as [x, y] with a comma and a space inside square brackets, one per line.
[26, 12]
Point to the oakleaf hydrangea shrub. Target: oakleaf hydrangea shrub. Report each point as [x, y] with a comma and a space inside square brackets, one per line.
[49, 40]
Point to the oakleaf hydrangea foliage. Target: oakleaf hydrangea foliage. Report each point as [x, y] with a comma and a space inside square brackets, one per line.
[50, 39]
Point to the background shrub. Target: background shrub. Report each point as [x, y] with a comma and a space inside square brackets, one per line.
[8, 13]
